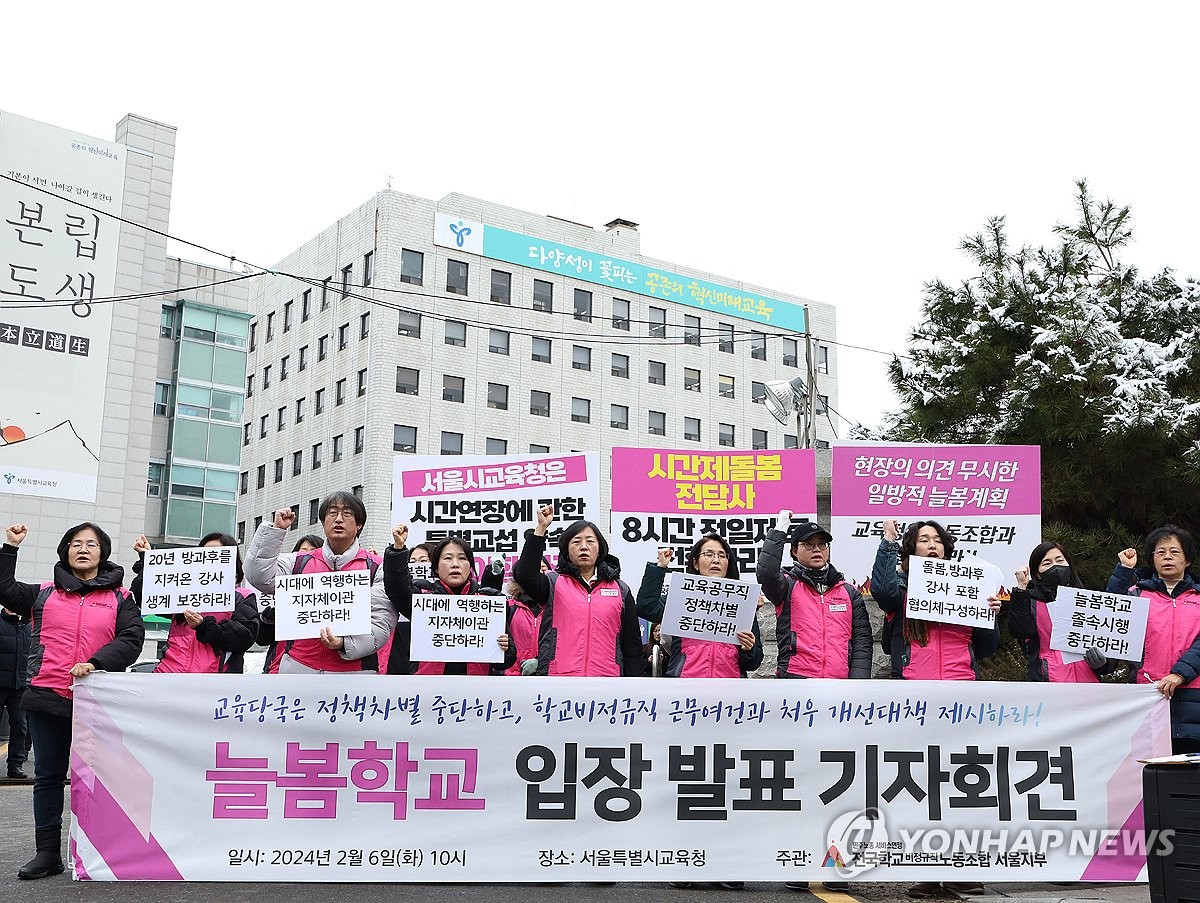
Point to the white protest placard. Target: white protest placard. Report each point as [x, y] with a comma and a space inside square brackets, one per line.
[175, 580]
[339, 600]
[952, 592]
[708, 608]
[1082, 619]
[420, 570]
[457, 628]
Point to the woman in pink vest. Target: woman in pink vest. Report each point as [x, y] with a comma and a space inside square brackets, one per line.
[83, 621]
[589, 622]
[266, 614]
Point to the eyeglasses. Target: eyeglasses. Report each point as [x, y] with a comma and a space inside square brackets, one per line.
[1168, 553]
[708, 555]
[819, 546]
[339, 514]
[84, 544]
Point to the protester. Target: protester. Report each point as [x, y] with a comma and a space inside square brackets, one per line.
[524, 625]
[655, 651]
[213, 643]
[590, 625]
[1171, 654]
[343, 516]
[266, 615]
[83, 621]
[14, 678]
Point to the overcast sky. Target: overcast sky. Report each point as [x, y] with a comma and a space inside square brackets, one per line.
[835, 151]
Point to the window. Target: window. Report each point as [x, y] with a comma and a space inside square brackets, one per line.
[496, 446]
[410, 324]
[339, 446]
[497, 396]
[658, 323]
[316, 456]
[412, 267]
[758, 345]
[581, 357]
[364, 325]
[297, 463]
[314, 511]
[404, 438]
[539, 403]
[791, 357]
[368, 267]
[270, 326]
[790, 441]
[347, 272]
[456, 333]
[618, 417]
[162, 395]
[543, 295]
[262, 427]
[319, 402]
[282, 414]
[303, 364]
[725, 434]
[583, 305]
[541, 349]
[154, 477]
[691, 429]
[620, 317]
[822, 405]
[758, 439]
[725, 338]
[325, 291]
[260, 477]
[306, 305]
[343, 335]
[253, 335]
[299, 410]
[257, 523]
[691, 330]
[283, 367]
[758, 393]
[243, 487]
[295, 517]
[581, 410]
[339, 393]
[246, 433]
[322, 348]
[657, 371]
[656, 422]
[535, 449]
[691, 379]
[451, 443]
[287, 316]
[266, 376]
[725, 386]
[501, 287]
[453, 388]
[620, 365]
[456, 277]
[820, 443]
[357, 490]
[166, 322]
[822, 358]
[359, 439]
[278, 470]
[362, 383]
[497, 341]
[408, 381]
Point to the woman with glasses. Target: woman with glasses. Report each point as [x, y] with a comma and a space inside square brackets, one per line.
[83, 621]
[1171, 654]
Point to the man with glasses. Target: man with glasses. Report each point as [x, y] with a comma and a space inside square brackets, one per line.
[343, 516]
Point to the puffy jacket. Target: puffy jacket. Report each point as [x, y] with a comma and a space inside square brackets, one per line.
[587, 630]
[1029, 622]
[691, 657]
[73, 620]
[14, 651]
[820, 633]
[951, 651]
[399, 584]
[1172, 640]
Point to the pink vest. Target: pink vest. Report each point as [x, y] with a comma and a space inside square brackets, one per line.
[523, 630]
[820, 626]
[187, 654]
[70, 628]
[705, 658]
[1172, 627]
[945, 656]
[587, 625]
[312, 653]
[1058, 671]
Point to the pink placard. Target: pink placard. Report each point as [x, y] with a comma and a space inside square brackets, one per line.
[672, 480]
[511, 476]
[899, 481]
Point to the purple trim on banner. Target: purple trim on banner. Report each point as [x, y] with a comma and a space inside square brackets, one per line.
[79, 869]
[1109, 863]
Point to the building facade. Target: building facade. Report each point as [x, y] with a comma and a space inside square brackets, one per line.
[465, 327]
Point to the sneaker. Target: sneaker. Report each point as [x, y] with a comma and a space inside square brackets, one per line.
[836, 885]
[924, 889]
[796, 885]
[971, 888]
[16, 774]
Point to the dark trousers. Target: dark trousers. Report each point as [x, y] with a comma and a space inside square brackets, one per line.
[51, 758]
[18, 732]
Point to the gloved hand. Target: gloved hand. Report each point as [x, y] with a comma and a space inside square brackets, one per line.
[528, 666]
[784, 521]
[497, 564]
[1095, 659]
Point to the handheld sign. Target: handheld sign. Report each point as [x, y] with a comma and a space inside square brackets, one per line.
[457, 628]
[952, 592]
[177, 580]
[1082, 619]
[708, 608]
[339, 600]
[420, 570]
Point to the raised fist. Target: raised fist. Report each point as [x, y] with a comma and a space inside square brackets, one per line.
[15, 535]
[665, 556]
[545, 517]
[1128, 557]
[891, 531]
[284, 518]
[141, 545]
[399, 536]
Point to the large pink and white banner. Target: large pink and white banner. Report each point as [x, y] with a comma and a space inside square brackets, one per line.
[668, 497]
[989, 497]
[351, 777]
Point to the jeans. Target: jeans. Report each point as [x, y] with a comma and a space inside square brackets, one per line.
[18, 732]
[51, 758]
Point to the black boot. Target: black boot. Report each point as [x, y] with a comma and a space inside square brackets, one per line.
[48, 860]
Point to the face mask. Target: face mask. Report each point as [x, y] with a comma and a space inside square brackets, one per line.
[1052, 578]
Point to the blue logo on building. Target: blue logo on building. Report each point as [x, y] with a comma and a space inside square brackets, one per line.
[460, 232]
[9, 477]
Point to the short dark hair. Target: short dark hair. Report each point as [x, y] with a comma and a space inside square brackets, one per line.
[1167, 531]
[1040, 551]
[346, 499]
[564, 560]
[312, 539]
[908, 542]
[444, 544]
[731, 573]
[65, 543]
[226, 540]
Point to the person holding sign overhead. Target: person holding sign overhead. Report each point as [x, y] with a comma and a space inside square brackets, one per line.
[454, 575]
[710, 556]
[589, 625]
[212, 643]
[343, 516]
[1171, 654]
[83, 621]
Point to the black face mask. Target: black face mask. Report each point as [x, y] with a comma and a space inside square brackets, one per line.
[1054, 577]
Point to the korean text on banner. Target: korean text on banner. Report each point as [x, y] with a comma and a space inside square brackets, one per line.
[1082, 619]
[952, 592]
[708, 608]
[457, 628]
[339, 600]
[175, 580]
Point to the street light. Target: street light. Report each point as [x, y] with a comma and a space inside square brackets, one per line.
[787, 397]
